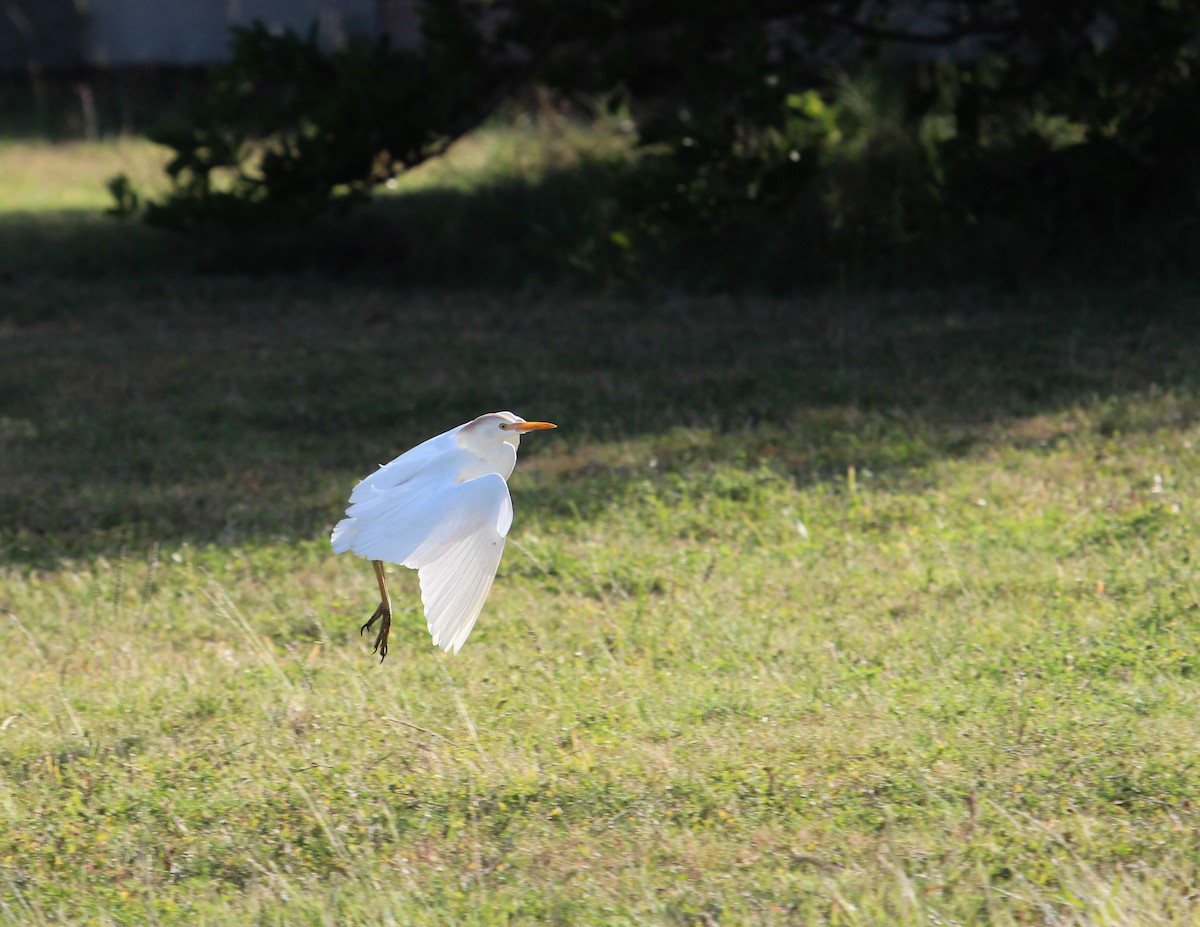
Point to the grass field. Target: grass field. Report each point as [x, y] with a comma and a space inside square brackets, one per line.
[853, 607]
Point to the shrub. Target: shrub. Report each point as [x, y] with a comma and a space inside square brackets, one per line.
[832, 121]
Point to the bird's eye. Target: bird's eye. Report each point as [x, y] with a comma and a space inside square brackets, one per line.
[503, 426]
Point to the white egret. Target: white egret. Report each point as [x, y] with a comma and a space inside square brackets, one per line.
[441, 509]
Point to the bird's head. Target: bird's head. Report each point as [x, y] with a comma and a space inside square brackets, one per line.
[500, 427]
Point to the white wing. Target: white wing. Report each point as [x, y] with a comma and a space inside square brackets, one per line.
[408, 465]
[394, 487]
[451, 533]
[457, 570]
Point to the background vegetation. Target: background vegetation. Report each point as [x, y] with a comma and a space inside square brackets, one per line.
[772, 144]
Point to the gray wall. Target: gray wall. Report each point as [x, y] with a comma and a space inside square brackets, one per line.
[39, 34]
[49, 34]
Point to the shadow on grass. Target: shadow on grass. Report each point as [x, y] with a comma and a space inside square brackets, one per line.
[166, 406]
[156, 388]
[514, 232]
[569, 225]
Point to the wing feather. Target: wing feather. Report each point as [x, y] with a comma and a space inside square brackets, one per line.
[386, 494]
[456, 576]
[407, 466]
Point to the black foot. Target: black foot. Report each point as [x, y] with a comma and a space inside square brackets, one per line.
[383, 615]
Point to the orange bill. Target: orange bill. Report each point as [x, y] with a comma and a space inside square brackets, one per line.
[531, 426]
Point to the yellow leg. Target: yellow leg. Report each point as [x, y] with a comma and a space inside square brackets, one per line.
[383, 614]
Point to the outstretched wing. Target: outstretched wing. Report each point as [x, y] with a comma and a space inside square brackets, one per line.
[452, 534]
[407, 467]
[391, 495]
[457, 566]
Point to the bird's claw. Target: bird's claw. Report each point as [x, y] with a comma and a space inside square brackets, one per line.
[383, 615]
[381, 641]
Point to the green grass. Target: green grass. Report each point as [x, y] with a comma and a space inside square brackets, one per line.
[846, 608]
[38, 177]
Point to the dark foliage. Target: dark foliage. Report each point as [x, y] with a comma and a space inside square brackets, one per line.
[288, 131]
[848, 126]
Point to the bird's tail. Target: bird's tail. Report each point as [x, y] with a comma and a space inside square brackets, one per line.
[343, 536]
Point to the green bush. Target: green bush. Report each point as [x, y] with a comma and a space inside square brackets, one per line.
[832, 125]
[288, 131]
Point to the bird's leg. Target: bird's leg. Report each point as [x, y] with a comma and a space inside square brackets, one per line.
[383, 614]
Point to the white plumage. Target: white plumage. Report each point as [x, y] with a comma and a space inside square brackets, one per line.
[442, 509]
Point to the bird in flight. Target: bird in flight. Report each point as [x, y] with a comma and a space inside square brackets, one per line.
[441, 509]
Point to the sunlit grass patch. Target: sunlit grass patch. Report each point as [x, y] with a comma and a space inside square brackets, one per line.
[524, 149]
[41, 177]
